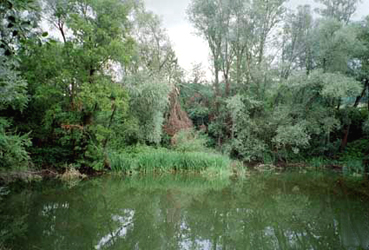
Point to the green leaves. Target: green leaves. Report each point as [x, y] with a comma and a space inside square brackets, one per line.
[12, 148]
[149, 100]
[337, 45]
[247, 127]
[292, 136]
[326, 85]
[339, 86]
[13, 89]
[341, 10]
[304, 108]
[107, 82]
[189, 141]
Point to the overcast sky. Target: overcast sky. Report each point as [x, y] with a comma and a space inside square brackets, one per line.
[191, 48]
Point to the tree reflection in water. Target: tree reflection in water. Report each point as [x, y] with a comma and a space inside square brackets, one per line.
[285, 211]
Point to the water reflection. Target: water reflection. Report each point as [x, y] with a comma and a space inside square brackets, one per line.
[287, 211]
[126, 222]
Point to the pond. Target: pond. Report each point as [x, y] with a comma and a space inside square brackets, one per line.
[288, 210]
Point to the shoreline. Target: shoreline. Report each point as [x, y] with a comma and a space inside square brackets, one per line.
[39, 175]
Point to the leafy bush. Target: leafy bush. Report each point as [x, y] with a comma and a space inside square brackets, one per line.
[248, 131]
[293, 137]
[355, 150]
[189, 141]
[13, 152]
[13, 89]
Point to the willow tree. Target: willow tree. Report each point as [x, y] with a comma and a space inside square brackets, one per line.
[341, 10]
[211, 18]
[153, 76]
[154, 51]
[297, 42]
[237, 33]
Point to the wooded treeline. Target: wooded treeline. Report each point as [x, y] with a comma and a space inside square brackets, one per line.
[289, 84]
[80, 79]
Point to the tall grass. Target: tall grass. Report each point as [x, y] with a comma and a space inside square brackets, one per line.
[317, 162]
[122, 162]
[163, 160]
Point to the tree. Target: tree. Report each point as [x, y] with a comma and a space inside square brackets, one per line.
[80, 104]
[211, 19]
[341, 10]
[16, 19]
[297, 42]
[154, 52]
[149, 101]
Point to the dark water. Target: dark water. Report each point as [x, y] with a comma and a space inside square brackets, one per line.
[263, 211]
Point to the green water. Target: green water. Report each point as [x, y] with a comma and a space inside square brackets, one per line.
[263, 211]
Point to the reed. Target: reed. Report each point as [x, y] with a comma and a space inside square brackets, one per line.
[163, 160]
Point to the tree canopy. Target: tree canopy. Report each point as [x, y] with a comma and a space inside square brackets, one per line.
[84, 79]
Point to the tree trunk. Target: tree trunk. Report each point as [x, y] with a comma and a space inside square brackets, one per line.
[239, 55]
[358, 99]
[324, 65]
[345, 137]
[228, 85]
[261, 50]
[216, 71]
[105, 142]
[357, 102]
[60, 26]
[110, 123]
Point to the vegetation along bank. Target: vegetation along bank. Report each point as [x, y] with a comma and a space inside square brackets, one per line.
[96, 86]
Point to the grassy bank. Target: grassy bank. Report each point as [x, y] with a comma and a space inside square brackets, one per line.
[161, 160]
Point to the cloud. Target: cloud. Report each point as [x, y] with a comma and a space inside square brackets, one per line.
[189, 47]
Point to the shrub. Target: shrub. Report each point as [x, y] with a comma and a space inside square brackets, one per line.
[355, 150]
[189, 141]
[13, 152]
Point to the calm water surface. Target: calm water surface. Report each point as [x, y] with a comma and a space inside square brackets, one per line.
[263, 211]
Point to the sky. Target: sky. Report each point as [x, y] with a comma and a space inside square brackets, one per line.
[189, 47]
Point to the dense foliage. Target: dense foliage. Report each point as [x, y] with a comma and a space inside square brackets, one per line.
[76, 79]
[84, 81]
[289, 84]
